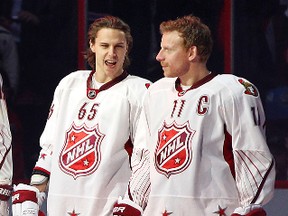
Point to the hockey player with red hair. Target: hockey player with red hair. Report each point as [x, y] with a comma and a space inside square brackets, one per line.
[201, 147]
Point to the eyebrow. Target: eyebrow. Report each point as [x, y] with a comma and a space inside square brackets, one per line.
[119, 43]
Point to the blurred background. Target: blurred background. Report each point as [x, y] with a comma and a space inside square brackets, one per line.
[48, 40]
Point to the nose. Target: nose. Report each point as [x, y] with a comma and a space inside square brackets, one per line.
[111, 50]
[159, 56]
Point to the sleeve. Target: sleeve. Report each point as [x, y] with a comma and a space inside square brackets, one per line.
[43, 164]
[139, 185]
[136, 98]
[6, 163]
[254, 167]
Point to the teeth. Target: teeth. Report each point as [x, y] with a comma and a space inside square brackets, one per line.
[110, 62]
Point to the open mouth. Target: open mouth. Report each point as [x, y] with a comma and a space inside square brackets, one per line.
[110, 62]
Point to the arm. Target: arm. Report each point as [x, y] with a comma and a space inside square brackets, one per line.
[6, 165]
[32, 196]
[253, 166]
[136, 197]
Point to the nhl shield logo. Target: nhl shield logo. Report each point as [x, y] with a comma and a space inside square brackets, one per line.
[81, 155]
[173, 152]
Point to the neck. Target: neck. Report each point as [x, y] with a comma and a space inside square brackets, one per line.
[193, 76]
[102, 77]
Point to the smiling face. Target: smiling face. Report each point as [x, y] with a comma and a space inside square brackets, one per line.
[173, 56]
[110, 48]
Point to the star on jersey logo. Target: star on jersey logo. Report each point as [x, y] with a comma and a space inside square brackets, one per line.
[221, 211]
[164, 137]
[73, 213]
[177, 160]
[73, 138]
[166, 213]
[86, 162]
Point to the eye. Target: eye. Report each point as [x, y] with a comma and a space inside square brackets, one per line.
[165, 50]
[120, 46]
[104, 45]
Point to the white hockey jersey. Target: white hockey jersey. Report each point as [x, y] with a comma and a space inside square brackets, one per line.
[86, 140]
[6, 163]
[207, 145]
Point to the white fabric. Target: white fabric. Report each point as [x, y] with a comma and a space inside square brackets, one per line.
[37, 179]
[6, 170]
[190, 150]
[4, 208]
[245, 210]
[27, 208]
[140, 166]
[45, 160]
[84, 141]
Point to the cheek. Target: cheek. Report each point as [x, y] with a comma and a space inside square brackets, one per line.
[175, 61]
[99, 57]
[122, 55]
[180, 66]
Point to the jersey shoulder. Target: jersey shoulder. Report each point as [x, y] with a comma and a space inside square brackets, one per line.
[236, 85]
[163, 83]
[74, 79]
[134, 81]
[137, 84]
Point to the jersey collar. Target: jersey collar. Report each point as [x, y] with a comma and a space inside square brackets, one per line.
[181, 92]
[92, 93]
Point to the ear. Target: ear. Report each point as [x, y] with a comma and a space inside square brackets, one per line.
[192, 53]
[126, 49]
[92, 46]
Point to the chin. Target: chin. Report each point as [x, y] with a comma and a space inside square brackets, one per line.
[169, 75]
